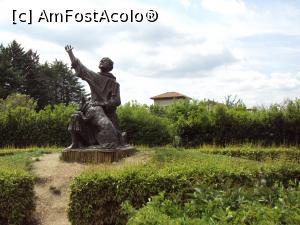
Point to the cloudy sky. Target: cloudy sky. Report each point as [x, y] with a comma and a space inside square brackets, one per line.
[201, 48]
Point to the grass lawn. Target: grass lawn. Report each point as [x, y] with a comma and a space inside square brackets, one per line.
[21, 159]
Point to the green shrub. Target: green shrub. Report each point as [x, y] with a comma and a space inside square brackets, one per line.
[143, 127]
[23, 126]
[96, 197]
[16, 197]
[153, 214]
[17, 100]
[52, 125]
[17, 200]
[184, 123]
[208, 205]
[201, 122]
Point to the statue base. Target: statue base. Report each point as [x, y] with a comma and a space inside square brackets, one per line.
[92, 154]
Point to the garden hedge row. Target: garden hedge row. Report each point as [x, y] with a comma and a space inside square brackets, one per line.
[203, 122]
[96, 197]
[142, 126]
[21, 126]
[16, 197]
[255, 152]
[183, 123]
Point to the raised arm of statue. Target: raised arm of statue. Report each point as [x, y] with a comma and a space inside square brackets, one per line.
[81, 70]
[69, 49]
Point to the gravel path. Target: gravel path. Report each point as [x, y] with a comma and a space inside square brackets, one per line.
[52, 188]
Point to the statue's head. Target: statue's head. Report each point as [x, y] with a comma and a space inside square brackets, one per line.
[106, 64]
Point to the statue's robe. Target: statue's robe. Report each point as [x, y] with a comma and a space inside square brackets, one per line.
[105, 90]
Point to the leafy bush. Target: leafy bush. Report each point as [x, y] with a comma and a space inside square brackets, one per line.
[22, 126]
[142, 126]
[207, 205]
[204, 122]
[17, 200]
[17, 100]
[16, 197]
[96, 197]
[184, 123]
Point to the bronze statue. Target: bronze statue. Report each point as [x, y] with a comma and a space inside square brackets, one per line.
[95, 124]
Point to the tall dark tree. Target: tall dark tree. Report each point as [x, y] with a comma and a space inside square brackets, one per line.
[31, 74]
[61, 85]
[20, 71]
[10, 75]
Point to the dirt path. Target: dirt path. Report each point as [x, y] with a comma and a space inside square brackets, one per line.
[52, 188]
[54, 178]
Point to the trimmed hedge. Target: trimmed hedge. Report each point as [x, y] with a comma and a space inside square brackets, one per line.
[182, 123]
[255, 152]
[16, 197]
[203, 122]
[96, 198]
[143, 127]
[22, 126]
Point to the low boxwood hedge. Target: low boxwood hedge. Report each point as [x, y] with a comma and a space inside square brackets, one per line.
[96, 197]
[255, 152]
[16, 197]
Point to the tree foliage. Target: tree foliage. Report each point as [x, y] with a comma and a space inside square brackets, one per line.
[17, 100]
[48, 83]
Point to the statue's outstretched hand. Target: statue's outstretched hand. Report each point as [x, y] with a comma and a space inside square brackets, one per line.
[68, 48]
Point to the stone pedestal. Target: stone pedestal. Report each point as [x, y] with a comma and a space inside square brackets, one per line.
[96, 155]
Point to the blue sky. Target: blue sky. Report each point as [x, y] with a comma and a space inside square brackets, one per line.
[201, 48]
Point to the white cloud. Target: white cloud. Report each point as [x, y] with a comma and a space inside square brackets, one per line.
[225, 6]
[185, 3]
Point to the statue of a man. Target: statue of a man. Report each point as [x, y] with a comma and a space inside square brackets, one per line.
[96, 121]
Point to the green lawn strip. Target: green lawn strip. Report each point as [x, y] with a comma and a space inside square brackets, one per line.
[98, 195]
[21, 160]
[13, 151]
